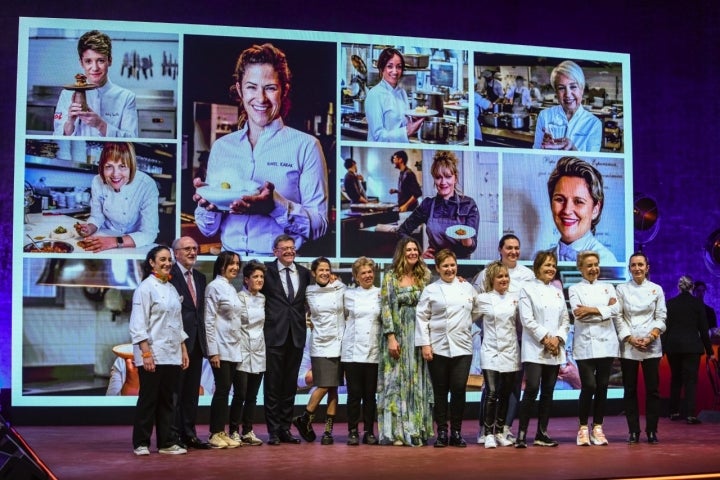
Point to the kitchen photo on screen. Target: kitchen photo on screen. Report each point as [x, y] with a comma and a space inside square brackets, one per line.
[531, 101]
[116, 198]
[260, 124]
[88, 82]
[403, 94]
[442, 198]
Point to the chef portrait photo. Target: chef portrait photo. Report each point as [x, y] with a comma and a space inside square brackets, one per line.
[457, 207]
[550, 103]
[403, 94]
[567, 204]
[97, 83]
[261, 164]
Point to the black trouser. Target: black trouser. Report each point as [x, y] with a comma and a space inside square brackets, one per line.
[498, 387]
[155, 406]
[651, 375]
[242, 409]
[594, 380]
[538, 375]
[449, 375]
[187, 393]
[361, 381]
[219, 410]
[514, 399]
[683, 376]
[280, 386]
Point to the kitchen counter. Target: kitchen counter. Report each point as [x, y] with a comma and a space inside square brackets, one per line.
[508, 138]
[40, 225]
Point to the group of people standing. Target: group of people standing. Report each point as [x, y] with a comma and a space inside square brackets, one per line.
[403, 349]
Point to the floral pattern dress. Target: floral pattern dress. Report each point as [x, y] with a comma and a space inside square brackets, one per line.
[405, 393]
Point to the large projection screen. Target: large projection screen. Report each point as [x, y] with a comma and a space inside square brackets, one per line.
[68, 339]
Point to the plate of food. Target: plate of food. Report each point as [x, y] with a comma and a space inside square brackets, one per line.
[48, 246]
[225, 193]
[61, 233]
[81, 83]
[460, 232]
[421, 112]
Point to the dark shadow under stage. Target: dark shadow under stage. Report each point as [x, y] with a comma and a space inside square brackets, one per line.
[97, 452]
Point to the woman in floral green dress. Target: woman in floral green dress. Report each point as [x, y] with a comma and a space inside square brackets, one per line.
[404, 389]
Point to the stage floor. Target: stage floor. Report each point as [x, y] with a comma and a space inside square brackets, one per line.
[96, 452]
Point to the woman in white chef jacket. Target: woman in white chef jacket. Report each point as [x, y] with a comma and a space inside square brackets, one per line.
[546, 323]
[361, 350]
[223, 325]
[643, 314]
[500, 350]
[443, 331]
[327, 317]
[595, 344]
[251, 368]
[158, 338]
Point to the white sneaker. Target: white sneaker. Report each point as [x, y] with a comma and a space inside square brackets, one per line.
[142, 450]
[583, 437]
[480, 438]
[490, 441]
[251, 439]
[507, 433]
[236, 436]
[502, 441]
[229, 441]
[173, 450]
[597, 437]
[216, 441]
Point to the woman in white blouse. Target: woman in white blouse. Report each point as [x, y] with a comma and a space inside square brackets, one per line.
[327, 318]
[500, 350]
[595, 344]
[546, 323]
[361, 350]
[158, 338]
[642, 314]
[249, 375]
[442, 329]
[223, 325]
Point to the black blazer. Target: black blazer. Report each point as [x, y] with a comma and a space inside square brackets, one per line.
[193, 317]
[687, 329]
[283, 318]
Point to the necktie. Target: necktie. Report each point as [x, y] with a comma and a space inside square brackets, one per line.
[290, 288]
[191, 286]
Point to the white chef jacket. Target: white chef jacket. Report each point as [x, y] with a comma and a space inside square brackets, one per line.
[518, 275]
[584, 129]
[223, 322]
[498, 315]
[361, 340]
[252, 338]
[291, 160]
[156, 317]
[327, 314]
[132, 211]
[443, 317]
[385, 109]
[595, 336]
[114, 104]
[642, 308]
[542, 312]
[524, 95]
[568, 252]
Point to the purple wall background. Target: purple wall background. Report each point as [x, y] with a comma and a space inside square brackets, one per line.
[674, 72]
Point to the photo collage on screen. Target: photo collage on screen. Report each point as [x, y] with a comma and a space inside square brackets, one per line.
[134, 135]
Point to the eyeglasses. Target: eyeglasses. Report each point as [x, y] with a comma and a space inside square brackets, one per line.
[187, 249]
[285, 249]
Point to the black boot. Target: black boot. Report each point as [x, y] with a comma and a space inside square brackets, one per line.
[353, 437]
[304, 425]
[456, 439]
[442, 439]
[520, 441]
[327, 438]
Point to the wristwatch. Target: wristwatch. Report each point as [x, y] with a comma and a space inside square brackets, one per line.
[119, 242]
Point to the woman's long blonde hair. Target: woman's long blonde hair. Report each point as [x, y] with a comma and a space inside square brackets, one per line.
[420, 272]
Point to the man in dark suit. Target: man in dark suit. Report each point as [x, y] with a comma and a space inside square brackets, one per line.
[190, 284]
[284, 290]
